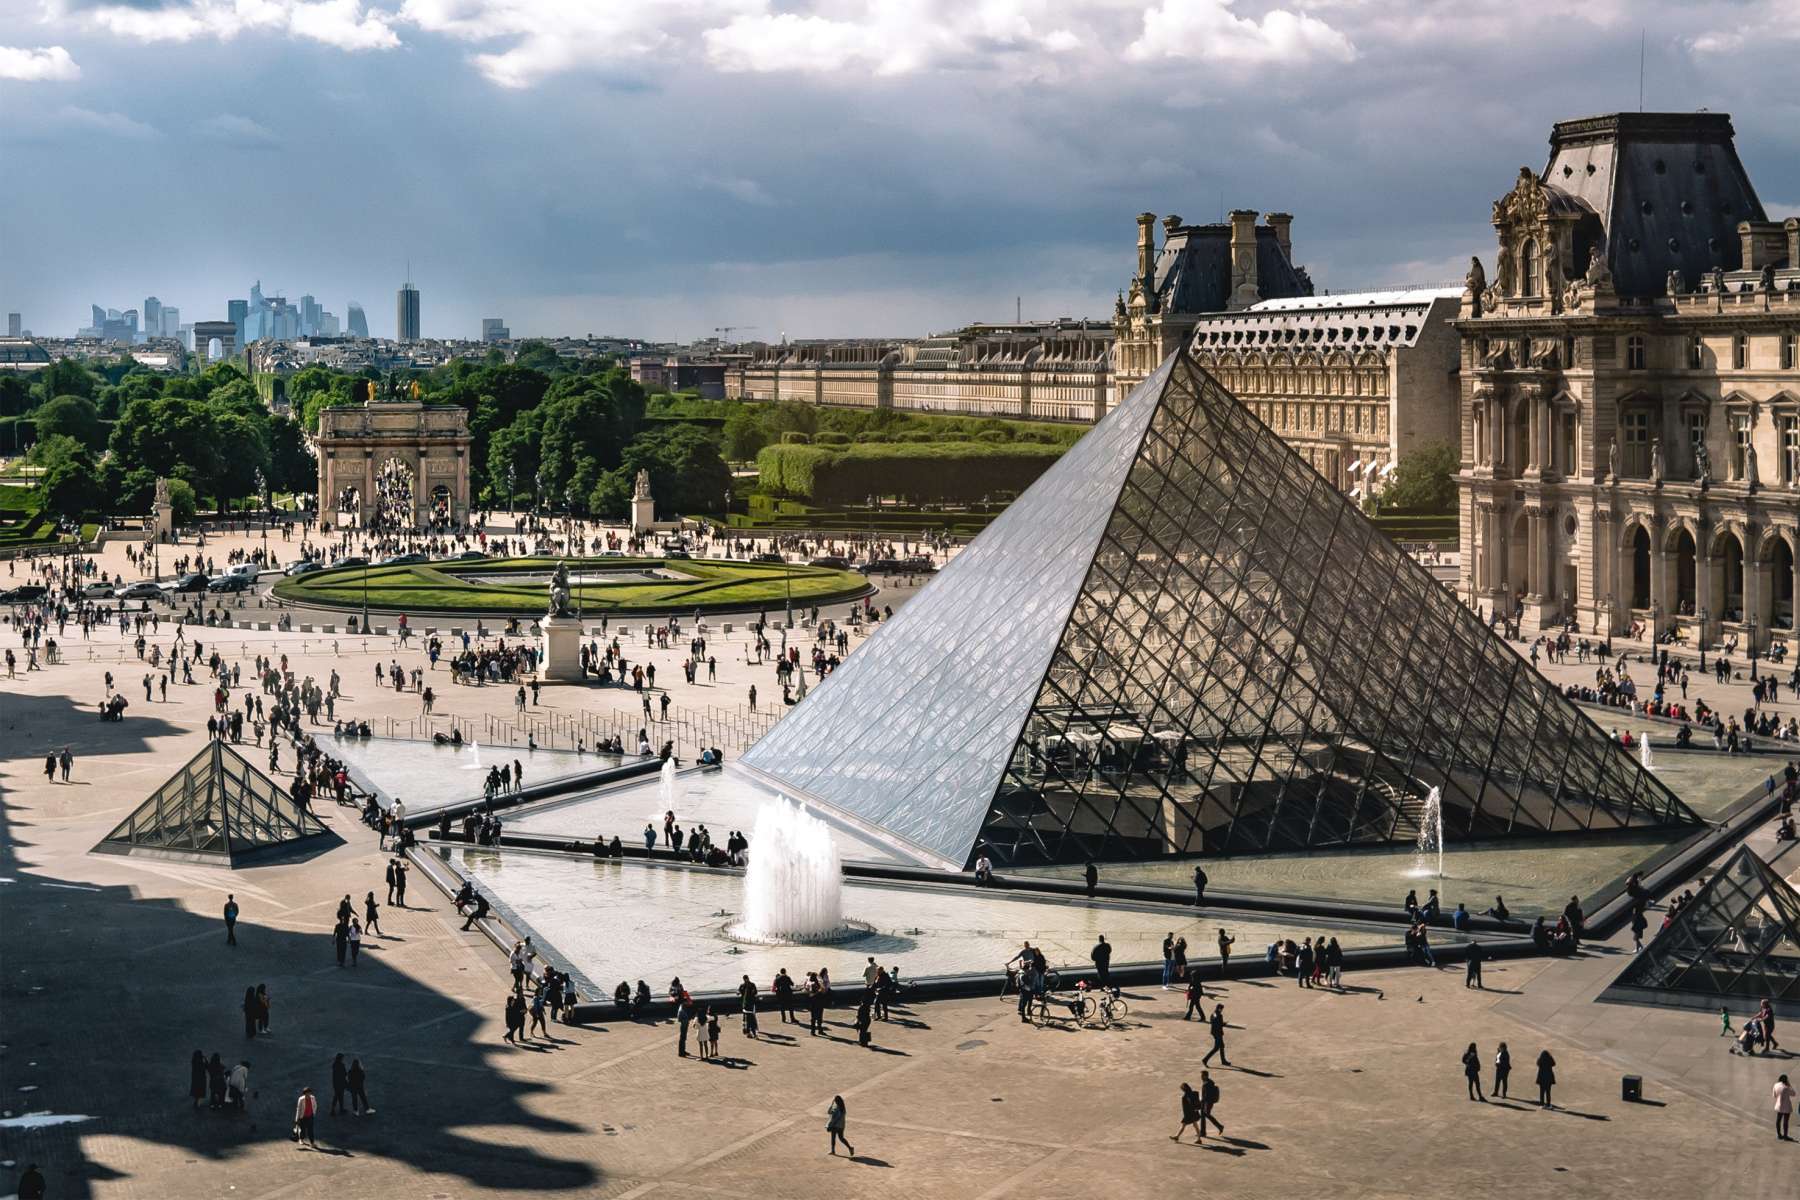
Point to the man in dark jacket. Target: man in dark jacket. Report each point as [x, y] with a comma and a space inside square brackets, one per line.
[1101, 955]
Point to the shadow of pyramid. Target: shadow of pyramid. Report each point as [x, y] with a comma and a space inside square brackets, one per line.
[107, 995]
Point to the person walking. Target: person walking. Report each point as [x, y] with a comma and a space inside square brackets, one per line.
[340, 938]
[1471, 1061]
[231, 916]
[358, 1080]
[515, 1019]
[1190, 1115]
[65, 760]
[1226, 942]
[1199, 887]
[340, 1084]
[31, 1180]
[1784, 1107]
[1472, 974]
[1196, 998]
[1216, 1026]
[1546, 1078]
[1168, 958]
[354, 936]
[250, 1011]
[1101, 957]
[262, 1008]
[371, 914]
[1502, 1071]
[1209, 1100]
[1092, 875]
[834, 1125]
[306, 1111]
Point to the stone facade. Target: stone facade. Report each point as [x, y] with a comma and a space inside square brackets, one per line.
[1631, 391]
[1352, 382]
[1051, 371]
[1198, 270]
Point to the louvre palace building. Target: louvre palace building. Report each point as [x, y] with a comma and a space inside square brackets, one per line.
[1630, 391]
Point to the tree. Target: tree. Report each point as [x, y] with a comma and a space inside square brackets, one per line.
[1424, 480]
[70, 483]
[71, 416]
[182, 501]
[744, 436]
[686, 473]
[292, 466]
[65, 377]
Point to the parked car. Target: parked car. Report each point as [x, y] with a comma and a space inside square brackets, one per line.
[676, 554]
[100, 589]
[469, 556]
[355, 560]
[143, 589]
[305, 566]
[25, 593]
[194, 581]
[767, 557]
[832, 561]
[401, 560]
[232, 583]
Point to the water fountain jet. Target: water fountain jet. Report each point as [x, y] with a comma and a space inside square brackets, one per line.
[1644, 753]
[793, 888]
[1431, 835]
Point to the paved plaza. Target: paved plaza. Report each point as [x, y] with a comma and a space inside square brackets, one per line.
[113, 970]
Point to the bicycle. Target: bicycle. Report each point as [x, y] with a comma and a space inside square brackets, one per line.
[1107, 1006]
[1080, 1007]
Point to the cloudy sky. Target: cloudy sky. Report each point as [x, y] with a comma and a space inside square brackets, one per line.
[809, 167]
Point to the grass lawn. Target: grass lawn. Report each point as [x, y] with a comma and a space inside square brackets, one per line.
[711, 586]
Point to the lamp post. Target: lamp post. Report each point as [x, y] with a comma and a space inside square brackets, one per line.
[262, 491]
[1752, 631]
[1703, 637]
[511, 511]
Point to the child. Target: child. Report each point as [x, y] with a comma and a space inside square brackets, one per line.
[712, 1034]
[1725, 1029]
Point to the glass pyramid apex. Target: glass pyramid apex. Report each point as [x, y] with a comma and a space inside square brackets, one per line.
[1182, 640]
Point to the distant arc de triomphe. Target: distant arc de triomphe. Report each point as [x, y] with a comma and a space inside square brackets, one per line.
[430, 442]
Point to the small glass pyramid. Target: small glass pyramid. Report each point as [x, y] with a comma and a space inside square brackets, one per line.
[216, 807]
[1740, 937]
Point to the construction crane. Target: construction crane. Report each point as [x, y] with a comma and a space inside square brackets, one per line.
[728, 330]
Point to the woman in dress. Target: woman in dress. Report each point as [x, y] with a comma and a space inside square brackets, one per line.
[834, 1125]
[1546, 1078]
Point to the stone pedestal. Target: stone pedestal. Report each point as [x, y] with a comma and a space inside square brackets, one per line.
[163, 529]
[560, 649]
[643, 514]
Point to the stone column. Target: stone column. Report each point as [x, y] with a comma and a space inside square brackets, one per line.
[1660, 605]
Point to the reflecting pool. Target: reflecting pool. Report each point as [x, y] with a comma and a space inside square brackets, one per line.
[609, 920]
[429, 776]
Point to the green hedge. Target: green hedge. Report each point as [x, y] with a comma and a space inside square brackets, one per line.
[795, 438]
[934, 472]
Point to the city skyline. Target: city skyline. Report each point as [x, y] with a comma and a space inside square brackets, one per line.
[679, 168]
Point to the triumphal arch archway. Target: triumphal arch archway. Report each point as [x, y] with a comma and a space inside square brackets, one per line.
[397, 464]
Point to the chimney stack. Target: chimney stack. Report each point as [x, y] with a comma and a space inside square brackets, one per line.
[1243, 260]
[1146, 252]
[1281, 223]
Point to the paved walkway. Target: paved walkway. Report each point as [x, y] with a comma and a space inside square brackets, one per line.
[113, 970]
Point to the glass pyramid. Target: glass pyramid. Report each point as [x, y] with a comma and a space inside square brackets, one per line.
[1183, 640]
[1740, 937]
[218, 807]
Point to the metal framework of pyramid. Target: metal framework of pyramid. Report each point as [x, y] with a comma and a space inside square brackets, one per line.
[217, 808]
[1183, 640]
[1740, 937]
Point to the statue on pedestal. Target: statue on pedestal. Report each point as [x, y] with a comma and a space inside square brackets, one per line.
[1656, 461]
[642, 490]
[1612, 460]
[162, 492]
[559, 591]
[1702, 464]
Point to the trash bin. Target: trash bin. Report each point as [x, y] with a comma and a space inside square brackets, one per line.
[1632, 1087]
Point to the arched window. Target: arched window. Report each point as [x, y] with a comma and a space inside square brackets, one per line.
[1532, 283]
